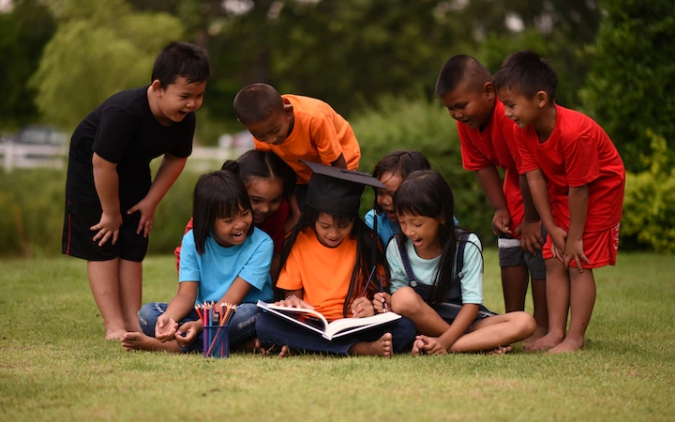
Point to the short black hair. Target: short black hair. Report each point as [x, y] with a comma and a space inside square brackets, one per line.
[181, 59]
[458, 69]
[527, 73]
[264, 165]
[256, 103]
[219, 194]
[400, 163]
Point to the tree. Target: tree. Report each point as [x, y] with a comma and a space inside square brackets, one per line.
[631, 86]
[23, 34]
[99, 48]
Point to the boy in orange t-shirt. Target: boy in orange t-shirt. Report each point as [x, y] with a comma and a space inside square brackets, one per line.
[297, 128]
[576, 178]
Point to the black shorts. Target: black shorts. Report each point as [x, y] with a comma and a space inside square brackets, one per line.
[78, 240]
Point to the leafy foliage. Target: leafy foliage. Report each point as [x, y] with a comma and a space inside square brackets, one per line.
[425, 126]
[23, 34]
[631, 85]
[99, 48]
[649, 207]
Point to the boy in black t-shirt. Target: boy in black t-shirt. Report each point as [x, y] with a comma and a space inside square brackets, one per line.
[110, 196]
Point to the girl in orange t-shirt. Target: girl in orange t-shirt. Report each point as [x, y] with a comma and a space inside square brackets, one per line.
[326, 263]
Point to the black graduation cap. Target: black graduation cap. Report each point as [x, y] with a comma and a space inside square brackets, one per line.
[337, 191]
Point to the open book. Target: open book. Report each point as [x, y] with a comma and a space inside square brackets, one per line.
[315, 321]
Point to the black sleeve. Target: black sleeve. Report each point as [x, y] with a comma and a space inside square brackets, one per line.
[115, 133]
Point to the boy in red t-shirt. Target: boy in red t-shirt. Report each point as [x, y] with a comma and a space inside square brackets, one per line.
[294, 128]
[576, 178]
[487, 142]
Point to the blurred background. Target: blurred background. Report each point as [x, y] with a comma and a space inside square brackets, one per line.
[374, 61]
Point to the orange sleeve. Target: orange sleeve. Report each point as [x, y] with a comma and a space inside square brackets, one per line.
[325, 137]
[290, 276]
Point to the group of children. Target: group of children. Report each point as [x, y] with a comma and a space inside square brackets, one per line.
[281, 223]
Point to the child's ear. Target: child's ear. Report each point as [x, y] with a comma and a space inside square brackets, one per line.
[489, 89]
[288, 108]
[542, 99]
[157, 88]
[441, 220]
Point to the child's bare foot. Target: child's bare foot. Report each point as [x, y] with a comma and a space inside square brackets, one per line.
[418, 347]
[115, 334]
[380, 347]
[547, 342]
[501, 350]
[139, 341]
[568, 345]
[283, 352]
[539, 332]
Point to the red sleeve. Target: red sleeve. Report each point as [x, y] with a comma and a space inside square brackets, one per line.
[472, 158]
[582, 161]
[524, 158]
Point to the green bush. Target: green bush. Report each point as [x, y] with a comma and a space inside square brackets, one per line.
[32, 205]
[424, 126]
[649, 203]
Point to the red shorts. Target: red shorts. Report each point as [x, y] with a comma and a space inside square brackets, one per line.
[600, 248]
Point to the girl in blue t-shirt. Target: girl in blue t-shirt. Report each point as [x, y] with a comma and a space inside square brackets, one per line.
[224, 259]
[449, 317]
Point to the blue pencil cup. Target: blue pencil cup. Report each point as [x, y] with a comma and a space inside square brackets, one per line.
[216, 341]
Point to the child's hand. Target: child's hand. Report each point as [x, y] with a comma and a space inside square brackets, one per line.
[361, 307]
[108, 226]
[165, 329]
[501, 222]
[530, 236]
[574, 250]
[293, 301]
[382, 302]
[147, 209]
[559, 238]
[187, 333]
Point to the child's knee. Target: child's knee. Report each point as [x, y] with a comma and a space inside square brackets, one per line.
[147, 316]
[525, 323]
[405, 301]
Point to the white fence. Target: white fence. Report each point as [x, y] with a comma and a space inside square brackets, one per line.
[30, 156]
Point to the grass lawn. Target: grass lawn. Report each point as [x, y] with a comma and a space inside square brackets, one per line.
[55, 364]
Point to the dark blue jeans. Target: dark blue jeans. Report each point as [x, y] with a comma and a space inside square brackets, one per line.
[273, 330]
[242, 325]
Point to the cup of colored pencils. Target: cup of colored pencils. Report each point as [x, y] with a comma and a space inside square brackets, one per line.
[216, 320]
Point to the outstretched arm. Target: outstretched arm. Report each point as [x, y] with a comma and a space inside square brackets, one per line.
[574, 247]
[491, 183]
[107, 187]
[167, 174]
[539, 191]
[530, 229]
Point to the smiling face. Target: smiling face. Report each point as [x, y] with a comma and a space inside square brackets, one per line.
[385, 197]
[265, 195]
[522, 110]
[231, 231]
[174, 101]
[423, 233]
[275, 129]
[329, 233]
[469, 104]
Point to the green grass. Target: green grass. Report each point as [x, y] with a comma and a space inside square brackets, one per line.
[55, 365]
